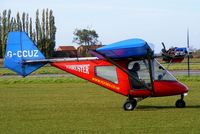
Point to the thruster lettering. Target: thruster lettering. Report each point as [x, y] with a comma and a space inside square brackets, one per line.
[79, 68]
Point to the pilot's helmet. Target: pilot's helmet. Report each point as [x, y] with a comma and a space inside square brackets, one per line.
[136, 67]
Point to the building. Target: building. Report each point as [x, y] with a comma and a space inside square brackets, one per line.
[66, 51]
[83, 50]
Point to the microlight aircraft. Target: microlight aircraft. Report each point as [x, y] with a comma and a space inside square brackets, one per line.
[127, 67]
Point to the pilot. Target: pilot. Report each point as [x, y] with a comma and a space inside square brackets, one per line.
[134, 72]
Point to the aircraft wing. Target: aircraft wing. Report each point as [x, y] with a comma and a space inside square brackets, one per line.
[134, 48]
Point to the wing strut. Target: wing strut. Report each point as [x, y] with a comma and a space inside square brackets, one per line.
[149, 55]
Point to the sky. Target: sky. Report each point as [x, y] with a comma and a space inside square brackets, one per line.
[155, 21]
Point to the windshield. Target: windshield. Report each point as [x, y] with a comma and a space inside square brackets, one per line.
[160, 73]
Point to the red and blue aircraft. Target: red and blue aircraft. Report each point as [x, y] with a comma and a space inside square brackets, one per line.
[127, 67]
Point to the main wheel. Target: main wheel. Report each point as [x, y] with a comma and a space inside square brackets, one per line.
[129, 105]
[180, 103]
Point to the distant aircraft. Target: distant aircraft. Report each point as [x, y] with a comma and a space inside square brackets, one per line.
[127, 67]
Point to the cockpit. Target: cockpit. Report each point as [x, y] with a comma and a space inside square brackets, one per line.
[158, 73]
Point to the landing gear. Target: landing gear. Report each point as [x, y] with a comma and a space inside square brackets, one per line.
[130, 104]
[180, 103]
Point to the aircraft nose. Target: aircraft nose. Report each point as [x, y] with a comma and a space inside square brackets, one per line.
[183, 88]
[167, 88]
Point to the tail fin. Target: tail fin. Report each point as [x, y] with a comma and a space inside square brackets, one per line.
[20, 48]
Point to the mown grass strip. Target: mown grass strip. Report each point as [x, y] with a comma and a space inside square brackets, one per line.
[43, 70]
[41, 80]
[186, 78]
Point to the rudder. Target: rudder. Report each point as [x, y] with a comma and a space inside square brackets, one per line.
[19, 49]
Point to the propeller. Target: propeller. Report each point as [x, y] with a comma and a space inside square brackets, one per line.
[164, 48]
[175, 54]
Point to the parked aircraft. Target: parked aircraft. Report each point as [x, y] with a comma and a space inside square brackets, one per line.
[127, 67]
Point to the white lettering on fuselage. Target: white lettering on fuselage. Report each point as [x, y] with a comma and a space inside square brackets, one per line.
[24, 53]
[79, 68]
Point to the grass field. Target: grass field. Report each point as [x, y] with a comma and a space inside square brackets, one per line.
[68, 105]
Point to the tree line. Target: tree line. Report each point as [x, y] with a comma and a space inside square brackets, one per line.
[42, 32]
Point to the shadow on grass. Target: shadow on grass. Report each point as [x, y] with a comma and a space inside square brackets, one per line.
[146, 107]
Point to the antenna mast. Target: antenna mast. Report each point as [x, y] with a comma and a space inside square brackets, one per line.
[188, 55]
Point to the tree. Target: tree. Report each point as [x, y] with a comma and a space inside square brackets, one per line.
[30, 30]
[196, 54]
[9, 21]
[15, 25]
[47, 23]
[37, 22]
[3, 32]
[47, 43]
[23, 21]
[52, 32]
[43, 24]
[43, 33]
[86, 38]
[0, 37]
[34, 36]
[27, 24]
[19, 23]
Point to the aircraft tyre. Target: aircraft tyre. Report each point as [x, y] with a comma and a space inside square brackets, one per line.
[180, 103]
[129, 105]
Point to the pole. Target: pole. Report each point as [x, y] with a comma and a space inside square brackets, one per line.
[188, 55]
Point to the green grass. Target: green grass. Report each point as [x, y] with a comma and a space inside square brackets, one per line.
[183, 66]
[43, 70]
[69, 105]
[41, 80]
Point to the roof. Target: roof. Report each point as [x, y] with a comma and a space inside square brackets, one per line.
[94, 47]
[66, 48]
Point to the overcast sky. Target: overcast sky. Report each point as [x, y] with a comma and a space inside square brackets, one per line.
[155, 21]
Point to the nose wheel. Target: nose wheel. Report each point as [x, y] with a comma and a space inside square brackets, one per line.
[180, 103]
